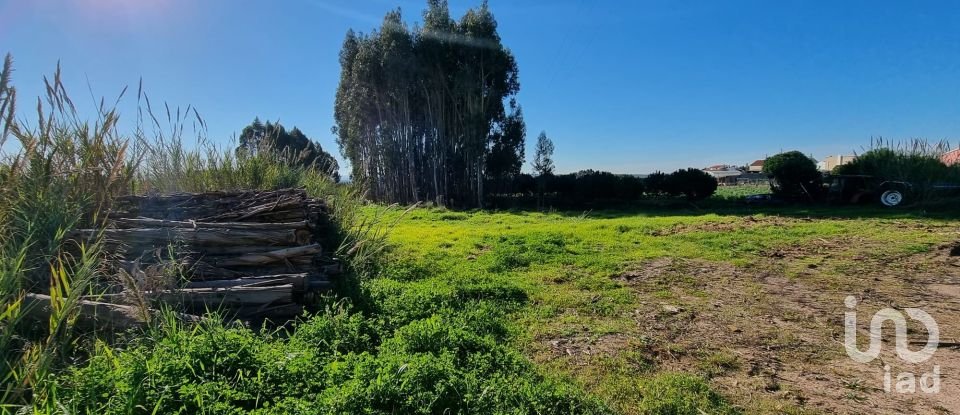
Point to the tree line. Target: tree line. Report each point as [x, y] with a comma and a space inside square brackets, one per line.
[590, 187]
[293, 146]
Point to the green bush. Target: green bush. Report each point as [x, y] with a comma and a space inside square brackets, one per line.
[794, 175]
[656, 183]
[693, 183]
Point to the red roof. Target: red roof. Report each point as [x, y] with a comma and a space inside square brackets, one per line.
[951, 157]
[757, 163]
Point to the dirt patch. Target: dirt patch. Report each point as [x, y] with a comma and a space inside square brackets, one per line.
[651, 269]
[951, 250]
[748, 222]
[784, 332]
[946, 290]
[821, 247]
[580, 346]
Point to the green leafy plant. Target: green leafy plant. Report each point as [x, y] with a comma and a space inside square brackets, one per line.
[793, 175]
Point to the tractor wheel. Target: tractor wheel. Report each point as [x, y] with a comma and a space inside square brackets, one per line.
[892, 198]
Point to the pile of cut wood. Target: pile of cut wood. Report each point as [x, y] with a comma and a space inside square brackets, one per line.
[248, 254]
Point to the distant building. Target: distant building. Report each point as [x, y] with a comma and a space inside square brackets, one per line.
[951, 158]
[756, 167]
[752, 179]
[831, 162]
[725, 175]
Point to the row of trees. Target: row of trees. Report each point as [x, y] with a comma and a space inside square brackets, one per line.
[589, 186]
[429, 113]
[293, 146]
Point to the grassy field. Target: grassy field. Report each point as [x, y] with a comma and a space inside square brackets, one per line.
[672, 308]
[680, 310]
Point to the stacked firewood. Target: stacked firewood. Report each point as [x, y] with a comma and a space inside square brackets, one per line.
[248, 254]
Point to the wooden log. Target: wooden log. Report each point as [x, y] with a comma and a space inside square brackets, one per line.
[213, 298]
[95, 314]
[201, 270]
[286, 267]
[221, 205]
[221, 197]
[225, 251]
[332, 269]
[161, 223]
[152, 253]
[240, 215]
[318, 285]
[279, 255]
[200, 236]
[299, 281]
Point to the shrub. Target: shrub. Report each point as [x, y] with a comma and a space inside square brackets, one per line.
[656, 183]
[693, 183]
[793, 175]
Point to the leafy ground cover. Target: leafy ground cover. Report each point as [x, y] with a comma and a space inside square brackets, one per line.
[689, 310]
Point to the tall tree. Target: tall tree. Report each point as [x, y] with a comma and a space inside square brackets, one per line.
[419, 112]
[542, 164]
[294, 146]
[543, 155]
[505, 158]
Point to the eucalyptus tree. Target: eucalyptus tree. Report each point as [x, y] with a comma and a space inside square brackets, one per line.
[419, 112]
[543, 155]
[505, 158]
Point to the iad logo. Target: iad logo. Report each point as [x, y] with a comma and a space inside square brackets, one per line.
[906, 381]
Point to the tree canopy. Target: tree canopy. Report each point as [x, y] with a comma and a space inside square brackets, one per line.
[795, 176]
[293, 145]
[422, 114]
[543, 155]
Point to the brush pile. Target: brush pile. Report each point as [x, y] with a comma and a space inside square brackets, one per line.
[249, 254]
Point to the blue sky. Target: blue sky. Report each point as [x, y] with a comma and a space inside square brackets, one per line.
[628, 87]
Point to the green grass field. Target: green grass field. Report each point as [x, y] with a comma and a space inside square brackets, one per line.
[668, 308]
[620, 302]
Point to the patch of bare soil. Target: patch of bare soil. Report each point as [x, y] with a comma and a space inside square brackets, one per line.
[580, 347]
[820, 247]
[748, 222]
[779, 338]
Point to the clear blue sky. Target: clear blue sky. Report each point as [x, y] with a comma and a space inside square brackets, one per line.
[628, 87]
